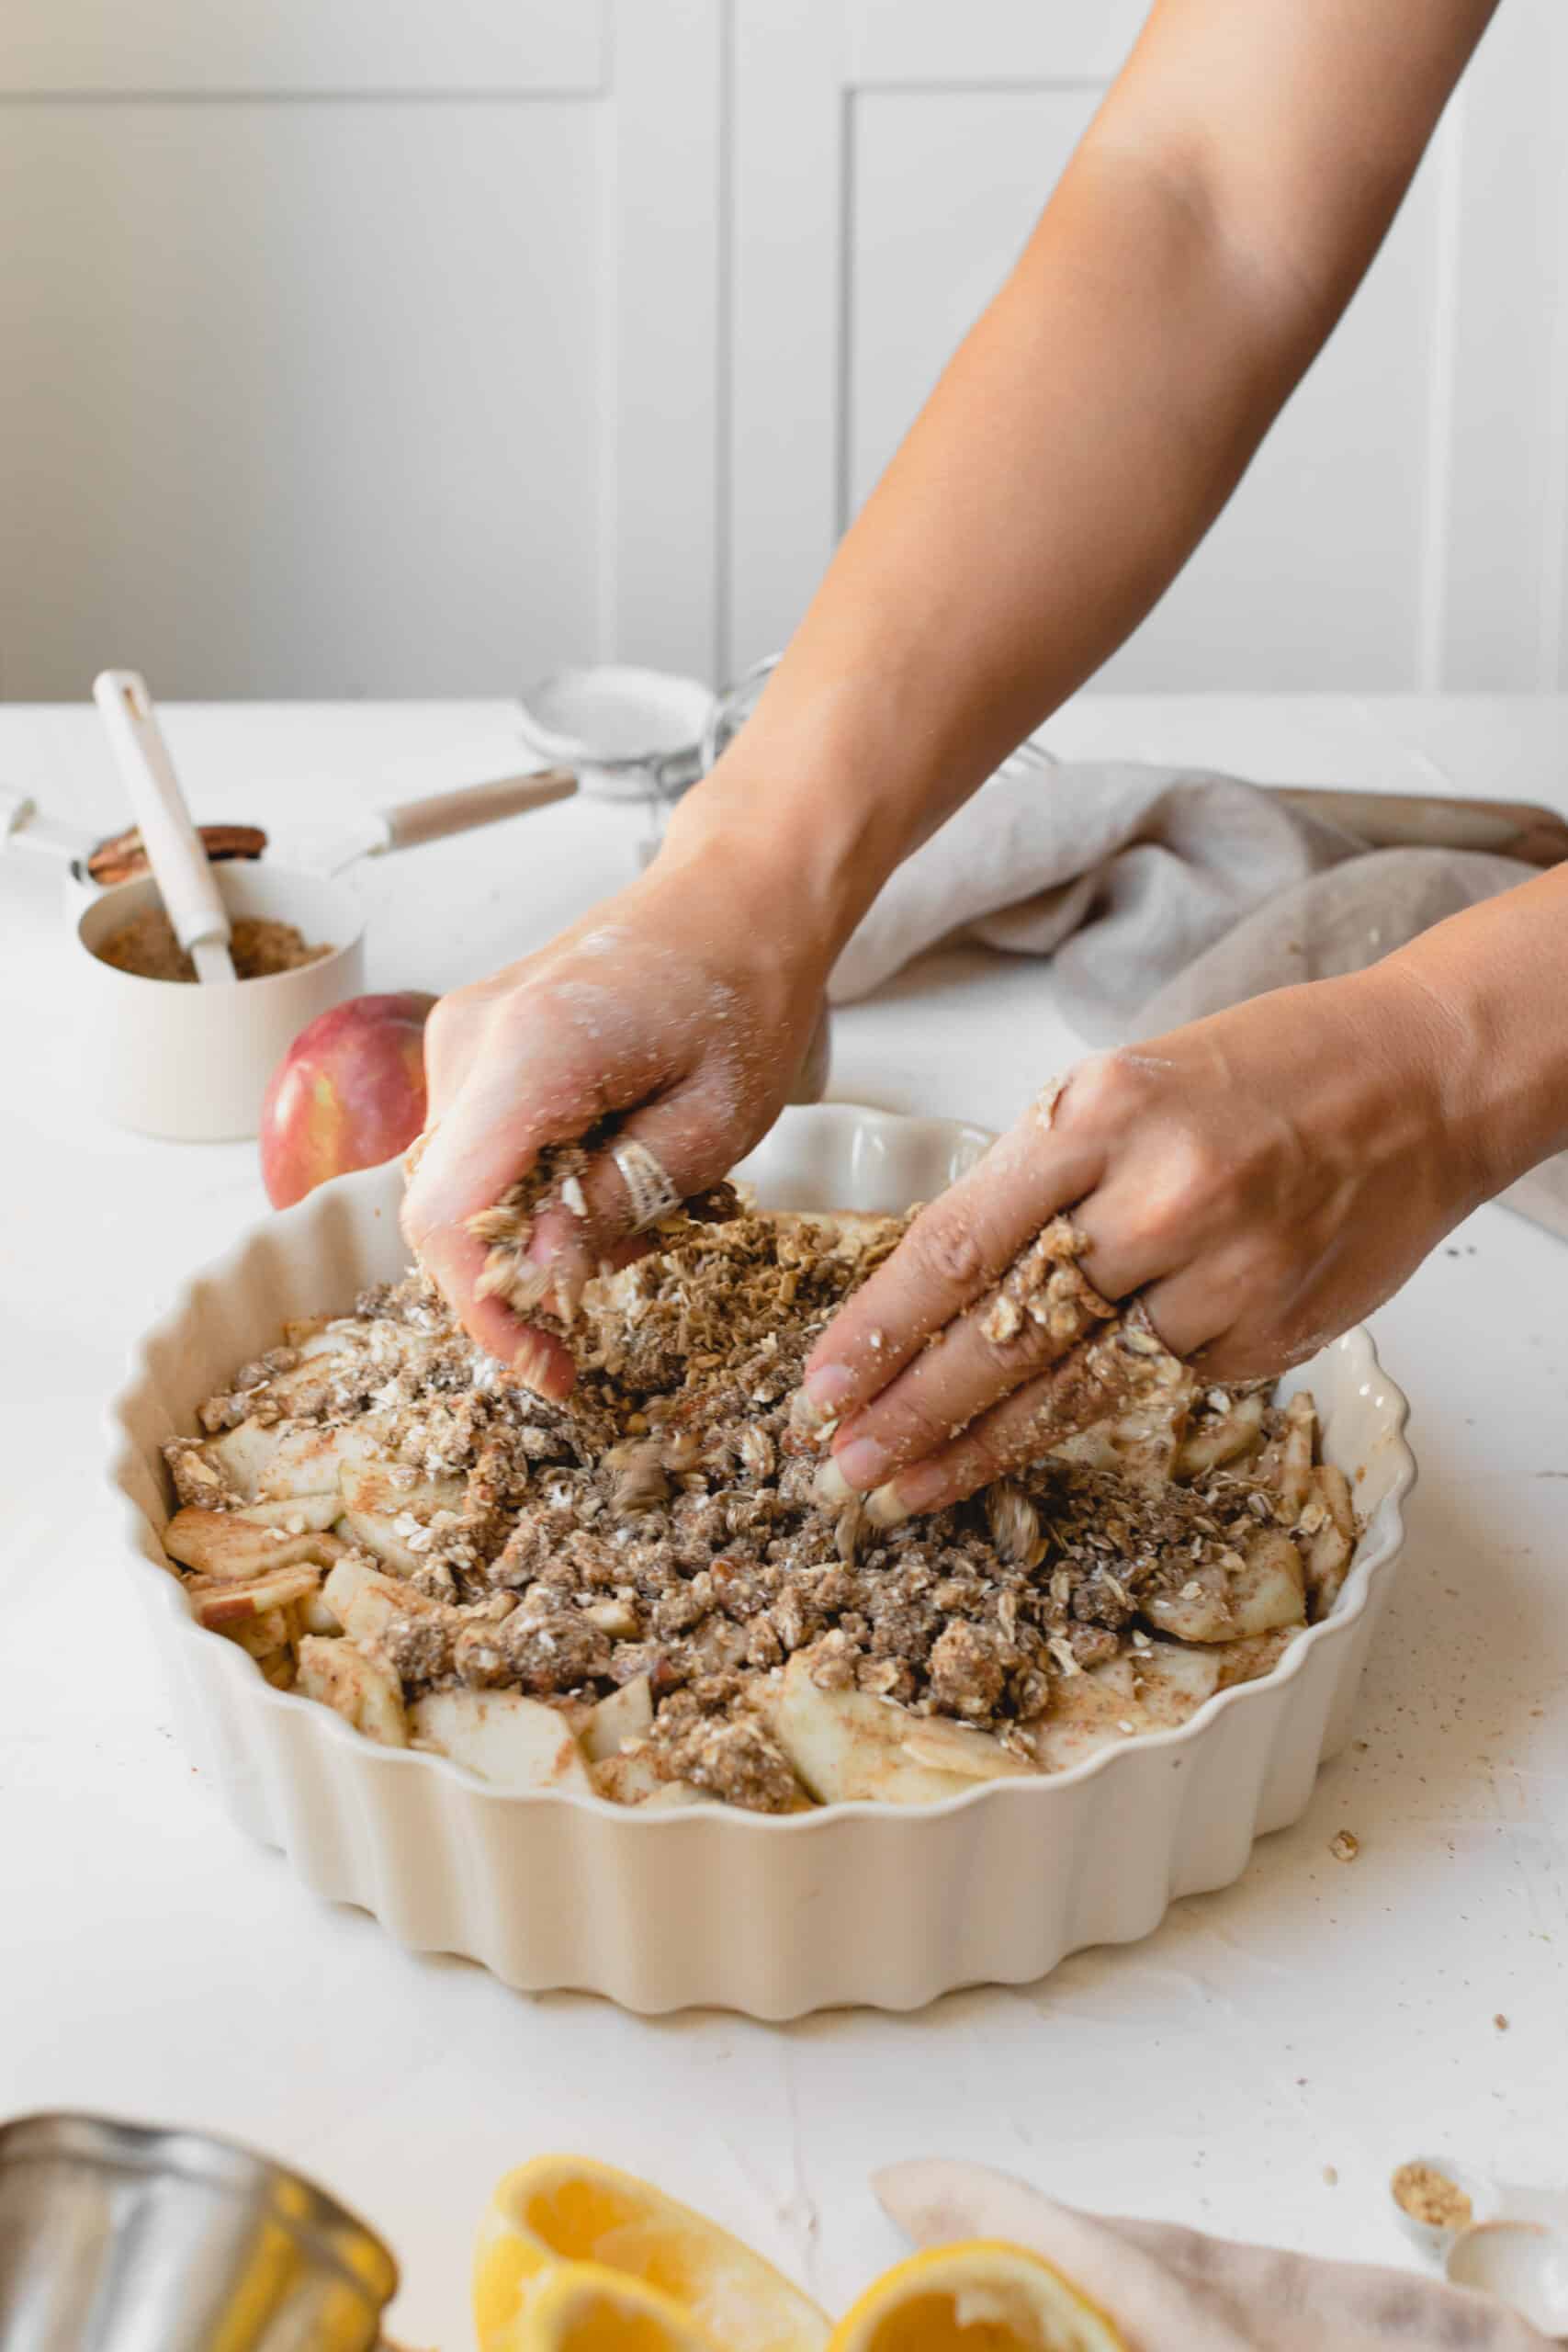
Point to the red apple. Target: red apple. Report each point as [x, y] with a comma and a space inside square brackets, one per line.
[348, 1093]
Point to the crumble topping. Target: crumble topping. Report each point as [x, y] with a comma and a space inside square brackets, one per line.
[508, 1227]
[1429, 2196]
[653, 1546]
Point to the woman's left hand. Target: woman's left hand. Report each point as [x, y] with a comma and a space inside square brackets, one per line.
[1261, 1180]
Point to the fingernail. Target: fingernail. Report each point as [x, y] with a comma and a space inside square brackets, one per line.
[883, 1508]
[921, 1489]
[531, 1361]
[863, 1462]
[832, 1488]
[805, 1419]
[829, 1387]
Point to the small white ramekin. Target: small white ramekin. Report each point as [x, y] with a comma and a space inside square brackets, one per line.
[851, 1903]
[173, 1058]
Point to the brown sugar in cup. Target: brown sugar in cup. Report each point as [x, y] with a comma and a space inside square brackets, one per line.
[261, 947]
[193, 1063]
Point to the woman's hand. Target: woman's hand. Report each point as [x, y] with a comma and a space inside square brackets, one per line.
[677, 1007]
[1262, 1179]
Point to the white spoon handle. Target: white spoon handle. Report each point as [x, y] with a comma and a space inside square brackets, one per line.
[174, 852]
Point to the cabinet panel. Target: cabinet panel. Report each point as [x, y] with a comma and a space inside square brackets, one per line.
[1498, 608]
[906, 43]
[298, 400]
[414, 350]
[292, 46]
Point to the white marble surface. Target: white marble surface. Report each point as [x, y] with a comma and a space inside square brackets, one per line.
[1317, 2014]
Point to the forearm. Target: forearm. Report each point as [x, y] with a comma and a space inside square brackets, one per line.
[1490, 987]
[1200, 247]
[1082, 440]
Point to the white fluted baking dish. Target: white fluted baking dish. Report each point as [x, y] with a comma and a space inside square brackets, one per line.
[853, 1902]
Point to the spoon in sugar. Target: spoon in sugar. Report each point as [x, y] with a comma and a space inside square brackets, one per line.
[196, 913]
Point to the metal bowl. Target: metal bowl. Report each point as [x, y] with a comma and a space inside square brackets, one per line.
[125, 2237]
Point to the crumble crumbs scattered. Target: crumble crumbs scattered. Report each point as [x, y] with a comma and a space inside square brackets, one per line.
[661, 1523]
[1429, 2196]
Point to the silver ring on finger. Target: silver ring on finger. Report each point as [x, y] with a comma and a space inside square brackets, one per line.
[651, 1188]
[1139, 1338]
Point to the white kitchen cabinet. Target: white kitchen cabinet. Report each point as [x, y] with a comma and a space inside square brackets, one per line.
[1405, 522]
[352, 350]
[355, 349]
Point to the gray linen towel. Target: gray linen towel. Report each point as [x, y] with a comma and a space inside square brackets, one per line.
[1177, 2291]
[1166, 894]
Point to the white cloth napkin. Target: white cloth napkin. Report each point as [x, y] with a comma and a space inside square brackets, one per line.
[1166, 894]
[1175, 2290]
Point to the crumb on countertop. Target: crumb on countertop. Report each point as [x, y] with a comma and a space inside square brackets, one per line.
[1429, 2196]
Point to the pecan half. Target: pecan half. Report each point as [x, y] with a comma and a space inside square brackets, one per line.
[122, 858]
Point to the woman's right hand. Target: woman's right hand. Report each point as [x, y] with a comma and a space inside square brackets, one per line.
[678, 1007]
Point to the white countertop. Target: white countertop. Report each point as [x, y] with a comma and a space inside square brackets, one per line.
[1317, 2014]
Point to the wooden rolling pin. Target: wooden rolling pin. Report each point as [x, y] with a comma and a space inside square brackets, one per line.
[1419, 820]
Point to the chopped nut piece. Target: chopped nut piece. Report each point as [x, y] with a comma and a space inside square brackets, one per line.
[123, 856]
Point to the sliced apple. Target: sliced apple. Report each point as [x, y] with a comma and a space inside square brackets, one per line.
[846, 1745]
[240, 1456]
[375, 1487]
[1091, 1449]
[1200, 1609]
[311, 1460]
[222, 1605]
[512, 1742]
[673, 1796]
[626, 1714]
[1257, 1655]
[263, 1636]
[948, 1746]
[1089, 1712]
[365, 1599]
[1173, 1682]
[310, 1386]
[294, 1514]
[1332, 1545]
[631, 1778]
[221, 1544]
[314, 1616]
[1269, 1589]
[1286, 1466]
[362, 1690]
[376, 1532]
[1224, 1438]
